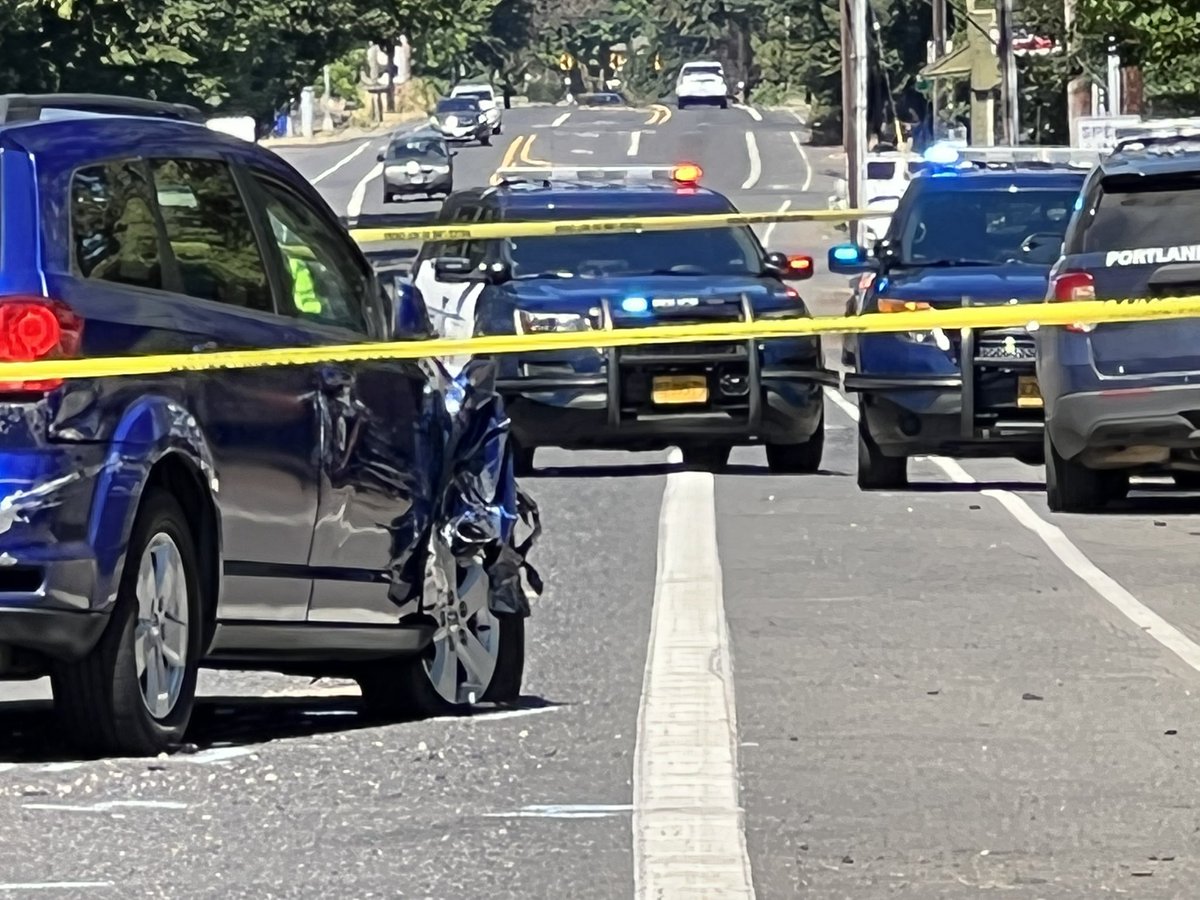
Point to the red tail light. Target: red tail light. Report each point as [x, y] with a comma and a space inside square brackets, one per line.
[1071, 286]
[32, 329]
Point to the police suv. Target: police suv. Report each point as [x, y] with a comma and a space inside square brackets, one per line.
[1124, 398]
[968, 232]
[703, 397]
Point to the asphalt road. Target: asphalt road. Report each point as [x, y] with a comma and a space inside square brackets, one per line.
[929, 693]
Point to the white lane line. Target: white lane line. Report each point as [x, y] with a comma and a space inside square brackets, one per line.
[8, 767]
[635, 141]
[108, 806]
[563, 811]
[798, 117]
[354, 207]
[560, 120]
[217, 755]
[1056, 540]
[770, 230]
[52, 885]
[341, 162]
[755, 162]
[688, 837]
[749, 110]
[808, 169]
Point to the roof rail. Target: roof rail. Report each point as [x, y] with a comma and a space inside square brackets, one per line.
[1037, 155]
[1159, 139]
[31, 107]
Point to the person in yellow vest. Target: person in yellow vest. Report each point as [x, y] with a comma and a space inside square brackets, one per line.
[304, 288]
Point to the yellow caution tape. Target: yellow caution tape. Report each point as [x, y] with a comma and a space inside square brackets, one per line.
[1028, 315]
[486, 230]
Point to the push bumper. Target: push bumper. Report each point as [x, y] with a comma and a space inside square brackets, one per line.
[1166, 417]
[991, 408]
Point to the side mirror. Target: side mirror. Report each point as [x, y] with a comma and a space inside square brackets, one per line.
[411, 317]
[849, 259]
[379, 158]
[791, 268]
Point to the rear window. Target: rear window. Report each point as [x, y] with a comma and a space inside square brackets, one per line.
[702, 70]
[459, 104]
[881, 171]
[1153, 212]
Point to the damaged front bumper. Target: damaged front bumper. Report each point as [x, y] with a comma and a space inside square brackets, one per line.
[483, 509]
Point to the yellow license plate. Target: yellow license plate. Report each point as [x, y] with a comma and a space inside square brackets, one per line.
[1029, 395]
[679, 389]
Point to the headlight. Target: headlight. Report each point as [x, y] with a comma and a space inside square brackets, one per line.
[554, 322]
[451, 121]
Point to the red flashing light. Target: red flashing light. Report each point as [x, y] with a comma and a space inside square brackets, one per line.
[33, 329]
[800, 264]
[686, 173]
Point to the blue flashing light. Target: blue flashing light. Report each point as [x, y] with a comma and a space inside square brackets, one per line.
[882, 285]
[1079, 203]
[635, 304]
[846, 253]
[941, 155]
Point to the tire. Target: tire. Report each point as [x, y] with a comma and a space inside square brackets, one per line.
[877, 472]
[405, 688]
[1072, 488]
[387, 198]
[523, 459]
[681, 104]
[1188, 481]
[707, 457]
[799, 459]
[499, 129]
[485, 141]
[100, 699]
[724, 104]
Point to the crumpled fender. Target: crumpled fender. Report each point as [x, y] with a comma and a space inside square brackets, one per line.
[481, 503]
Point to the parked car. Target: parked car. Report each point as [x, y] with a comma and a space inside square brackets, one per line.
[307, 519]
[461, 119]
[420, 163]
[486, 95]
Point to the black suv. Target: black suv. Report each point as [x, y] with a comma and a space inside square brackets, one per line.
[1125, 397]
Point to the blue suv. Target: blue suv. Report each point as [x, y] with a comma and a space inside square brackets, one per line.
[354, 520]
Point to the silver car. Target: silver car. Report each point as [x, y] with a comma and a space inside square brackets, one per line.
[417, 164]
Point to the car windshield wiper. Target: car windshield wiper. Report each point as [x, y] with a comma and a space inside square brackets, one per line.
[538, 276]
[949, 263]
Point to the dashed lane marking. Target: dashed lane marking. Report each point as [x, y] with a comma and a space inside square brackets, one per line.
[53, 885]
[688, 824]
[750, 111]
[635, 141]
[560, 120]
[755, 162]
[359, 196]
[770, 229]
[1069, 554]
[341, 162]
[563, 811]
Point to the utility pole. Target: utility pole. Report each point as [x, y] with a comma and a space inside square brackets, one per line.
[854, 103]
[939, 50]
[1113, 92]
[1008, 74]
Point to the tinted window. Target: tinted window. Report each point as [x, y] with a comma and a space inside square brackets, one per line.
[209, 231]
[983, 226]
[420, 148]
[113, 226]
[323, 282]
[702, 70]
[458, 104]
[708, 251]
[1158, 212]
[881, 171]
[478, 95]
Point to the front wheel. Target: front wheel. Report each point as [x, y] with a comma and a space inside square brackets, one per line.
[476, 655]
[724, 104]
[133, 694]
[799, 459]
[877, 472]
[498, 129]
[485, 141]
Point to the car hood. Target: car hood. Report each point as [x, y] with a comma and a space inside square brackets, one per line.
[713, 295]
[982, 285]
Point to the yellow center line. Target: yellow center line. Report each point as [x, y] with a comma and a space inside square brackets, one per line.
[509, 156]
[525, 154]
[659, 110]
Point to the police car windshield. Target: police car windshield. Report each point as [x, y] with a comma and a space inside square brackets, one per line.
[983, 227]
[707, 251]
[1149, 212]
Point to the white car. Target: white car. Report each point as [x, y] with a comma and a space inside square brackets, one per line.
[486, 95]
[702, 82]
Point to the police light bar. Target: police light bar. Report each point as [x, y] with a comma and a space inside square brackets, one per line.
[952, 157]
[685, 173]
